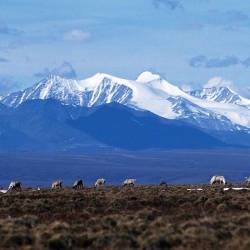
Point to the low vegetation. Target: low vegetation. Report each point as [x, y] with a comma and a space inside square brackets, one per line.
[143, 217]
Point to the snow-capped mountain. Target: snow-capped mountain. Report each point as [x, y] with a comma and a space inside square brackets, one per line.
[219, 109]
[222, 95]
[94, 91]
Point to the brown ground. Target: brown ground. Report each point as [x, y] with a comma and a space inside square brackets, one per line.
[145, 217]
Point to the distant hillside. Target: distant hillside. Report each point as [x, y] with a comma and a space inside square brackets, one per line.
[53, 126]
[122, 127]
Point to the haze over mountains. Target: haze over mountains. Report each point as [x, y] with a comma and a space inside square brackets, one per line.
[107, 111]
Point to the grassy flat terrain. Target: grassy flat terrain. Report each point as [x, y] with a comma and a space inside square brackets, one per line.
[143, 217]
[147, 167]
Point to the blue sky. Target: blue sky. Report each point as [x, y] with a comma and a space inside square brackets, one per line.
[187, 41]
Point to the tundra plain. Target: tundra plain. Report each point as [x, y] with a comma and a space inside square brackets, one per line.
[147, 167]
[116, 217]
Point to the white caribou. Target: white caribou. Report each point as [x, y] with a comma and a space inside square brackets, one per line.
[218, 180]
[248, 180]
[100, 182]
[129, 182]
[56, 184]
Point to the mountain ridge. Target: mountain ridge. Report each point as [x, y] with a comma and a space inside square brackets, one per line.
[214, 108]
[53, 126]
[221, 94]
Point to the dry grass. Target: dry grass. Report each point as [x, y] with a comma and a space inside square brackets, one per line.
[145, 217]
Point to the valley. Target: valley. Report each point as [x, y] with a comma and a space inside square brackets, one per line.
[147, 167]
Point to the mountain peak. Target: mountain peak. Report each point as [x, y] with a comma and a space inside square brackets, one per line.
[220, 94]
[217, 89]
[147, 76]
[220, 88]
[53, 77]
[150, 92]
[218, 82]
[98, 77]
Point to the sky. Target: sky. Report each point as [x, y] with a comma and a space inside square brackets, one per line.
[188, 42]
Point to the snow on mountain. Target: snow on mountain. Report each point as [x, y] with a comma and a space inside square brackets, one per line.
[219, 109]
[222, 95]
[201, 117]
[220, 90]
[90, 92]
[147, 77]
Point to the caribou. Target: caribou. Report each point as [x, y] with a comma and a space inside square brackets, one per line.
[129, 182]
[218, 180]
[248, 180]
[56, 184]
[100, 182]
[78, 184]
[15, 186]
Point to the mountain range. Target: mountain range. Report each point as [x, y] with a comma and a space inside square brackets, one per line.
[104, 111]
